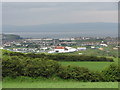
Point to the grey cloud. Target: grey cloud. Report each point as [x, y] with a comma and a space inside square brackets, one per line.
[65, 5]
[45, 13]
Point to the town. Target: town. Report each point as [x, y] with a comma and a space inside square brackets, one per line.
[61, 45]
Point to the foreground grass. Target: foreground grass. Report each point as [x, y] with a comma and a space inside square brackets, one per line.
[26, 82]
[60, 84]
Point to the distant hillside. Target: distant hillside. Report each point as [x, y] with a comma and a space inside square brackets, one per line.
[10, 37]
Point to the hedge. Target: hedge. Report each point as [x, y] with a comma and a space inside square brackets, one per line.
[65, 57]
[80, 74]
[112, 73]
[14, 66]
[21, 65]
[61, 57]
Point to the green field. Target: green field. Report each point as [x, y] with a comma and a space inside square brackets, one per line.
[97, 52]
[57, 82]
[90, 65]
[53, 83]
[61, 85]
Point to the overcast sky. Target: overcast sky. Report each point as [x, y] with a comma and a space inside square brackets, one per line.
[23, 14]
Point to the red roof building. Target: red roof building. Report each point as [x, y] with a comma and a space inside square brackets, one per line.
[59, 47]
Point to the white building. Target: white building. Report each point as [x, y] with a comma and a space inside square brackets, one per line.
[105, 45]
[1, 47]
[81, 48]
[60, 49]
[93, 47]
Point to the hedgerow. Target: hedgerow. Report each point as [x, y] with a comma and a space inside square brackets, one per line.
[80, 74]
[112, 73]
[61, 57]
[14, 65]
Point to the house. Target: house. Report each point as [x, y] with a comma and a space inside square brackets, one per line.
[1, 47]
[92, 47]
[60, 49]
[80, 53]
[104, 45]
[115, 48]
[44, 48]
[81, 48]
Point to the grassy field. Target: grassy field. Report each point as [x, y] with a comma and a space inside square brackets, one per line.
[26, 82]
[107, 51]
[60, 84]
[90, 65]
[53, 83]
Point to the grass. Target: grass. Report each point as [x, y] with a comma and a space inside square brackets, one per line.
[27, 82]
[96, 52]
[61, 84]
[0, 85]
[54, 83]
[90, 65]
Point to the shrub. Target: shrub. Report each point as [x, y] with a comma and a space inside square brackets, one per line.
[19, 66]
[63, 57]
[95, 76]
[60, 57]
[37, 65]
[79, 73]
[112, 73]
[40, 67]
[11, 66]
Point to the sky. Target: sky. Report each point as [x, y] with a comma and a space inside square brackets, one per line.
[60, 0]
[45, 15]
[22, 14]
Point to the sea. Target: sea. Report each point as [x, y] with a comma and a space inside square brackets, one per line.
[62, 34]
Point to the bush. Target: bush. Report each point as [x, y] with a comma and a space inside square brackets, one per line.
[11, 66]
[14, 66]
[40, 67]
[112, 73]
[79, 73]
[63, 57]
[60, 57]
[95, 76]
[37, 65]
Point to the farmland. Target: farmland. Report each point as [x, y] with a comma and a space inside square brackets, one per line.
[54, 79]
[108, 51]
[90, 65]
